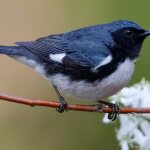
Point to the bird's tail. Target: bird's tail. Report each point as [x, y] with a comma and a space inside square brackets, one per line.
[11, 50]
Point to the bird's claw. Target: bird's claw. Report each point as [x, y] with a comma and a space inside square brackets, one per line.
[115, 111]
[62, 107]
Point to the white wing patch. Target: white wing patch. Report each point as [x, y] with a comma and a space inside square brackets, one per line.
[104, 62]
[57, 57]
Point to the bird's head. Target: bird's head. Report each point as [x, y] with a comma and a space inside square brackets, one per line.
[128, 37]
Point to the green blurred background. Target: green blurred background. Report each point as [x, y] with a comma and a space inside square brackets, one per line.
[27, 128]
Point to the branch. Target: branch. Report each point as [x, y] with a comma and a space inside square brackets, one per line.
[53, 104]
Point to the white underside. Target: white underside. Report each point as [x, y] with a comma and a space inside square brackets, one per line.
[31, 63]
[88, 91]
[99, 89]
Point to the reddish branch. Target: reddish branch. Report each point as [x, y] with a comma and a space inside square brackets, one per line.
[53, 104]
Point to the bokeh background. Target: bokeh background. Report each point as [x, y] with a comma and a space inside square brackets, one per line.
[23, 127]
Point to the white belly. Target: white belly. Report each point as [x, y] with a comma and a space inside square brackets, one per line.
[99, 89]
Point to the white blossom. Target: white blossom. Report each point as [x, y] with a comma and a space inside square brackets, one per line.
[134, 129]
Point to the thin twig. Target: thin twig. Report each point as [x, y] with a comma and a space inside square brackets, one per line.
[53, 104]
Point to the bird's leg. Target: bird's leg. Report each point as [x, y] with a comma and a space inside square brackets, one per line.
[63, 103]
[115, 109]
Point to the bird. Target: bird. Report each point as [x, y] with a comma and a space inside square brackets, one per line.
[90, 63]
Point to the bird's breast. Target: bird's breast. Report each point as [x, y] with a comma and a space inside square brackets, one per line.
[98, 89]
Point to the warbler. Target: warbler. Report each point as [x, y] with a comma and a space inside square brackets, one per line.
[91, 63]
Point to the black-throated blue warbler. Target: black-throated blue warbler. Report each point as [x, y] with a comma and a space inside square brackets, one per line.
[90, 63]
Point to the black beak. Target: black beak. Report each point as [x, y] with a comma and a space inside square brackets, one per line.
[145, 34]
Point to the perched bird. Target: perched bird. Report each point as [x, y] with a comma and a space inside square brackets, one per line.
[90, 63]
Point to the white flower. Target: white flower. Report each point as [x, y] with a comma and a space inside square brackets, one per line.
[134, 128]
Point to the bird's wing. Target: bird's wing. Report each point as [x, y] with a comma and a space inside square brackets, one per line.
[73, 53]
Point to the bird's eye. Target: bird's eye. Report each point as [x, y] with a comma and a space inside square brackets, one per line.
[128, 32]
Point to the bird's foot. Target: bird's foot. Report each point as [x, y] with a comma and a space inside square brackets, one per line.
[63, 105]
[115, 110]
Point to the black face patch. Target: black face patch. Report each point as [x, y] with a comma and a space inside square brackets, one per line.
[129, 42]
